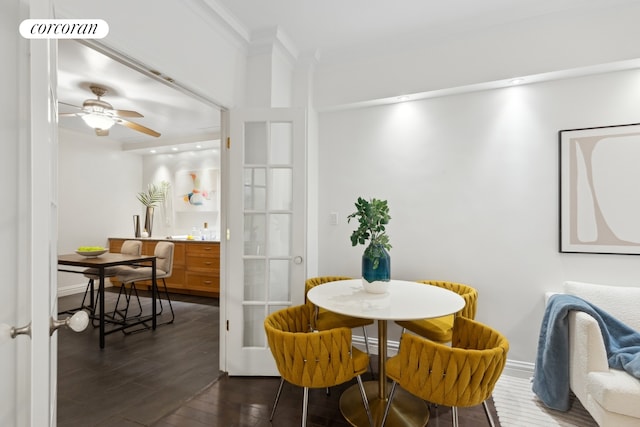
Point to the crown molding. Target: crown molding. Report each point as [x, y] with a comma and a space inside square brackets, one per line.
[222, 18]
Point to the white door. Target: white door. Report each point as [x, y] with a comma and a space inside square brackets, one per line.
[27, 218]
[266, 223]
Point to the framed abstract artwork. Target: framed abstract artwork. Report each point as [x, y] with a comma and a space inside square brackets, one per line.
[600, 190]
[196, 190]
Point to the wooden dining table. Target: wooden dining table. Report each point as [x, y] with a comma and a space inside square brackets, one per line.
[100, 263]
[404, 300]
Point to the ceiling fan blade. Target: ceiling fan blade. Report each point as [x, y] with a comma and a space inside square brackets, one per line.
[102, 132]
[70, 114]
[127, 113]
[138, 127]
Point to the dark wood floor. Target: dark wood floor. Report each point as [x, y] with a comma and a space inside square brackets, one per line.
[139, 378]
[169, 378]
[247, 402]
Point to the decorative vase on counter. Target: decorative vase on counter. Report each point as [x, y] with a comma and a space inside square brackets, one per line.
[150, 200]
[376, 269]
[136, 225]
[148, 220]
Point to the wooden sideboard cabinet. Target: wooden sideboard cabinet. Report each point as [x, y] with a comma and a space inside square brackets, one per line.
[196, 265]
[203, 267]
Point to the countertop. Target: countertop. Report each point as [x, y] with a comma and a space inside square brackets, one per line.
[167, 239]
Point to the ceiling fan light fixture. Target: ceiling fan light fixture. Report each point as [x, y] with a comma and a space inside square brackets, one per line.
[98, 121]
[101, 116]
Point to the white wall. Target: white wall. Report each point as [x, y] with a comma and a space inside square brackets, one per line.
[472, 184]
[164, 167]
[593, 36]
[97, 187]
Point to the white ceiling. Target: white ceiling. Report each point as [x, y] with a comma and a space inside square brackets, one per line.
[178, 117]
[334, 29]
[339, 29]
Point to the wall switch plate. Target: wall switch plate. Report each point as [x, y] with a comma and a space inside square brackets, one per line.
[333, 218]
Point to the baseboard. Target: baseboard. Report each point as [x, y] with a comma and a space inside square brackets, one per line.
[358, 342]
[513, 368]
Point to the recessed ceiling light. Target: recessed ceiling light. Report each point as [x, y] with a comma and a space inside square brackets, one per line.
[175, 148]
[198, 146]
[153, 151]
[516, 81]
[403, 98]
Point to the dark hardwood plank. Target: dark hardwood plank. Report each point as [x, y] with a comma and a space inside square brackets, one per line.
[247, 402]
[169, 378]
[139, 378]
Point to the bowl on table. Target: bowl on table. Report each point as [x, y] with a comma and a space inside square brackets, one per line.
[91, 253]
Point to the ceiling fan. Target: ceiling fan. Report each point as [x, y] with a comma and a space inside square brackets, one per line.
[101, 116]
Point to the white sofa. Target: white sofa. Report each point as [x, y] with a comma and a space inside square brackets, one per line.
[611, 396]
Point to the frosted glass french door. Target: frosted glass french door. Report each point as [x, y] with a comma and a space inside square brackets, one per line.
[266, 221]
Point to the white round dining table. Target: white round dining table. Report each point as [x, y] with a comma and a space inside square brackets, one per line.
[404, 300]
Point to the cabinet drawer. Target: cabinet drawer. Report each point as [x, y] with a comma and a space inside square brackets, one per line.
[204, 282]
[203, 264]
[204, 250]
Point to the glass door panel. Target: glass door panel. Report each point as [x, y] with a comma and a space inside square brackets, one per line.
[255, 189]
[280, 196]
[269, 212]
[281, 148]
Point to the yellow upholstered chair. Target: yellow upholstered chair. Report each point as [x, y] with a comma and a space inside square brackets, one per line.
[439, 329]
[461, 375]
[322, 319]
[312, 359]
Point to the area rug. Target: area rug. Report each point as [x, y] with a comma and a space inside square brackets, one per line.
[518, 406]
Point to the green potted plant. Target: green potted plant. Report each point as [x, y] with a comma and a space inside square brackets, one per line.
[373, 217]
[150, 200]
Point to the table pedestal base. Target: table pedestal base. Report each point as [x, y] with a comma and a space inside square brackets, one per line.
[406, 409]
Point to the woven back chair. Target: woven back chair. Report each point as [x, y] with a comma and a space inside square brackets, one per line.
[461, 375]
[321, 319]
[440, 329]
[312, 359]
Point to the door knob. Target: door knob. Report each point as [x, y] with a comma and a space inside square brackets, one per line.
[8, 332]
[77, 323]
[297, 260]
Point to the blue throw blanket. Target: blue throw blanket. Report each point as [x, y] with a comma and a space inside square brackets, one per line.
[551, 375]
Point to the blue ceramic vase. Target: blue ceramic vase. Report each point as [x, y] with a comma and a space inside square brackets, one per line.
[381, 272]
